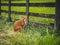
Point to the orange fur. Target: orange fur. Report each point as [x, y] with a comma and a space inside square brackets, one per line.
[19, 24]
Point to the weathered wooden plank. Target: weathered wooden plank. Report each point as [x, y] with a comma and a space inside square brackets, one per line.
[9, 11]
[31, 4]
[32, 14]
[27, 11]
[50, 26]
[42, 15]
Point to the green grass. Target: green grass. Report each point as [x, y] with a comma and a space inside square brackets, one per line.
[28, 39]
[32, 36]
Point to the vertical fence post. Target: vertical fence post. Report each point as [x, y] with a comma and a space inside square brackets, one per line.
[57, 17]
[0, 7]
[27, 10]
[9, 10]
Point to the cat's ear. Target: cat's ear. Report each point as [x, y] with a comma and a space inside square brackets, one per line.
[25, 17]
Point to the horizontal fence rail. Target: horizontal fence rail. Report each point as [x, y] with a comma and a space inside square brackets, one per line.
[32, 14]
[50, 26]
[31, 4]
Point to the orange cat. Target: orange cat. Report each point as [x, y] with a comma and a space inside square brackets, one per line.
[19, 24]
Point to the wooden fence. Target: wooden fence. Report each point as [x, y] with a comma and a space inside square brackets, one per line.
[27, 4]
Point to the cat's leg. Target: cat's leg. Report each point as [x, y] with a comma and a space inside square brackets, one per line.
[17, 28]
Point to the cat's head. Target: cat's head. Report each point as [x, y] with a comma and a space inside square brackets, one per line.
[25, 19]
